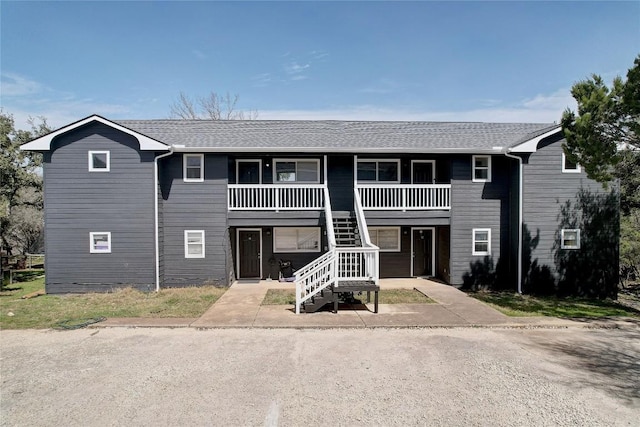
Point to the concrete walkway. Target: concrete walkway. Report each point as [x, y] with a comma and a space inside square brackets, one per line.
[240, 307]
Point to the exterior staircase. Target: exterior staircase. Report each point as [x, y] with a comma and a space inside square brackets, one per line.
[347, 235]
[346, 231]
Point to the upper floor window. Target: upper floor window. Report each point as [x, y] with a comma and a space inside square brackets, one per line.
[386, 238]
[193, 170]
[290, 239]
[296, 170]
[100, 242]
[99, 161]
[481, 241]
[379, 170]
[570, 239]
[481, 168]
[194, 243]
[568, 166]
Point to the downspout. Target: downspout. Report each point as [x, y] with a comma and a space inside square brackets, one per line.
[155, 192]
[520, 221]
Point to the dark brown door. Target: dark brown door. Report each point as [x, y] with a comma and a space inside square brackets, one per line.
[249, 253]
[423, 252]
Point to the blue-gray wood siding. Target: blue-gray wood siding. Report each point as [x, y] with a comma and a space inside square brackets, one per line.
[478, 205]
[546, 189]
[195, 206]
[78, 202]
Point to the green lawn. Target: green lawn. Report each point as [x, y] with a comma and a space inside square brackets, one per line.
[526, 305]
[386, 296]
[48, 310]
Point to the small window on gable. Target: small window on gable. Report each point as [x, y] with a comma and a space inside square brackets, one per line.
[481, 241]
[193, 168]
[100, 242]
[194, 243]
[481, 168]
[568, 166]
[99, 161]
[386, 238]
[290, 239]
[570, 239]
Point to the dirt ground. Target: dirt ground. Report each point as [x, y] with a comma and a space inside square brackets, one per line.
[348, 377]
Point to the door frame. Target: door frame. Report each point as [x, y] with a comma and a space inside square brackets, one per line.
[433, 249]
[433, 169]
[238, 230]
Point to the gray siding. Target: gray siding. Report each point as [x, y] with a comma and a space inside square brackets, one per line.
[546, 189]
[195, 206]
[478, 205]
[78, 202]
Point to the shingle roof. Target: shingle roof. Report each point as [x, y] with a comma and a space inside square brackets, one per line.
[318, 136]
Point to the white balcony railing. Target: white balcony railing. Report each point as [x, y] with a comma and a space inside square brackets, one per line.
[276, 197]
[405, 196]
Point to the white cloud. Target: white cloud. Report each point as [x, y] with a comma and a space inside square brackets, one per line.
[539, 109]
[12, 84]
[295, 68]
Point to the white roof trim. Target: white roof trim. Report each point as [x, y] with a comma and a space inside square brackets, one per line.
[44, 142]
[531, 146]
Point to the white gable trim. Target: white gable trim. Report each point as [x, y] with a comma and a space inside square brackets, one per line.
[44, 142]
[531, 146]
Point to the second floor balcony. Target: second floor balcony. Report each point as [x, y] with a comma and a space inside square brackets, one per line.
[298, 196]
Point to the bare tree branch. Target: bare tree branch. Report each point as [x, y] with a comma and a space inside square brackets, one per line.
[210, 107]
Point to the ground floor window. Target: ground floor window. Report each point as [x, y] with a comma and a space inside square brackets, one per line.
[570, 239]
[100, 242]
[386, 238]
[194, 243]
[290, 239]
[481, 241]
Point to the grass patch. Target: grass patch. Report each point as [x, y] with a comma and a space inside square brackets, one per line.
[526, 305]
[48, 310]
[386, 296]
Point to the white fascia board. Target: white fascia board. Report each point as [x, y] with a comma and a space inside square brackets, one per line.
[531, 146]
[183, 149]
[44, 142]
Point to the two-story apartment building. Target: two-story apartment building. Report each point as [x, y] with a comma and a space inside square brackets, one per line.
[166, 203]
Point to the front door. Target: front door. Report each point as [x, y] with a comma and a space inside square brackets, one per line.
[423, 248]
[423, 172]
[249, 245]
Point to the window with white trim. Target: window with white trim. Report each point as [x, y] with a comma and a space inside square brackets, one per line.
[194, 243]
[570, 238]
[302, 239]
[99, 161]
[481, 241]
[378, 170]
[481, 169]
[100, 242]
[296, 170]
[193, 167]
[386, 238]
[568, 166]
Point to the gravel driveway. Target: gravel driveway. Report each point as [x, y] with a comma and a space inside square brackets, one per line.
[436, 377]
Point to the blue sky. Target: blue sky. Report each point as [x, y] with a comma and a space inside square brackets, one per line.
[453, 61]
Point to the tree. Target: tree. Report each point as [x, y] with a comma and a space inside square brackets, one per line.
[607, 120]
[604, 137]
[20, 186]
[211, 107]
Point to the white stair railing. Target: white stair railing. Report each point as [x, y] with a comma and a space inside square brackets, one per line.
[320, 273]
